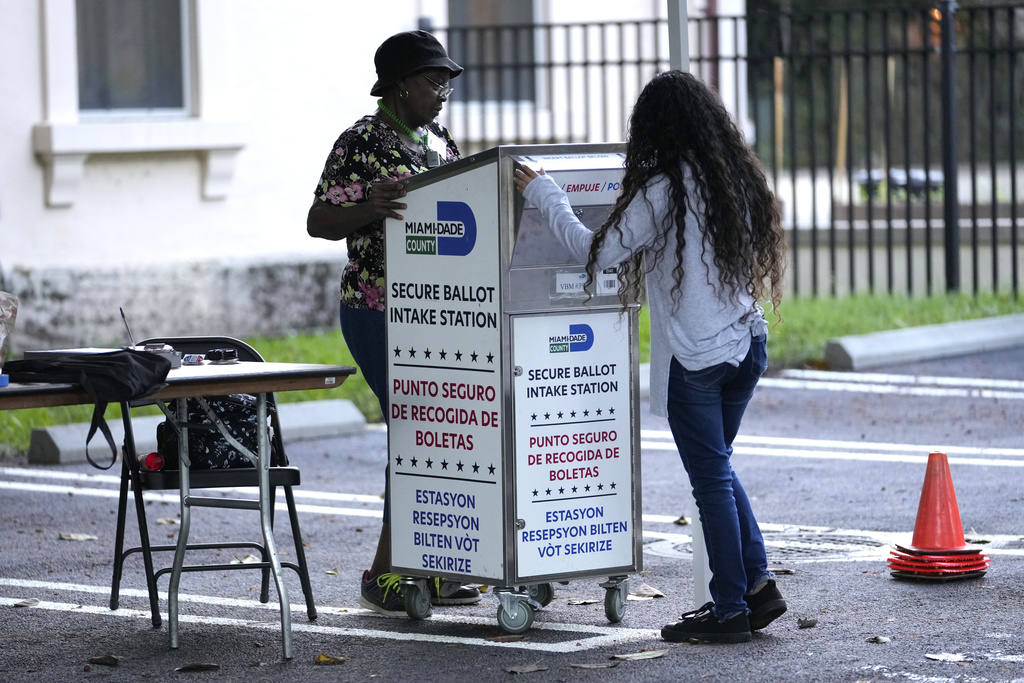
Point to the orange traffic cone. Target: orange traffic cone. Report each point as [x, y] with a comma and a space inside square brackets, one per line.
[938, 524]
[939, 550]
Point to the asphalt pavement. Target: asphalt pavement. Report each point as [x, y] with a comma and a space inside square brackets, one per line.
[834, 464]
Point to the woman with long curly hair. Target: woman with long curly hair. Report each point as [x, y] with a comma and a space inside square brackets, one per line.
[697, 218]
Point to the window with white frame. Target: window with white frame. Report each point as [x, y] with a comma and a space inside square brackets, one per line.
[132, 56]
[118, 79]
[494, 41]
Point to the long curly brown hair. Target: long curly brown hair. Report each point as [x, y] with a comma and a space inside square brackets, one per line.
[679, 122]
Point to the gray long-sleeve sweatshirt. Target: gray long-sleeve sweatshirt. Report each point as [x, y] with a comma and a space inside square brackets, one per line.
[706, 325]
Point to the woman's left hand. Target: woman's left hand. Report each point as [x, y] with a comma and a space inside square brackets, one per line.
[523, 175]
[383, 196]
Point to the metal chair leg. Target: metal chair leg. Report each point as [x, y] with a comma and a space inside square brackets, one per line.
[122, 512]
[300, 553]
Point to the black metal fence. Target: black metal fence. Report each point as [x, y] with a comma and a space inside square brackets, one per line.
[893, 137]
[550, 83]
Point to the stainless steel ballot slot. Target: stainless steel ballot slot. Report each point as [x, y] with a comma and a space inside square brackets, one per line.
[513, 443]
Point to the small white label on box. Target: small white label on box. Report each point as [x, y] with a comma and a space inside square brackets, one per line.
[567, 283]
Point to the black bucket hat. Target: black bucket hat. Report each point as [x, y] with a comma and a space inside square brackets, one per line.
[406, 53]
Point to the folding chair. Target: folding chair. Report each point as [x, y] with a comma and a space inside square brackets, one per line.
[141, 480]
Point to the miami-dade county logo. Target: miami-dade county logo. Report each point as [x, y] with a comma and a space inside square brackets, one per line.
[580, 338]
[454, 233]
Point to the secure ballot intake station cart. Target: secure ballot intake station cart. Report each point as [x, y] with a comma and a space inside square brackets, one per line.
[514, 455]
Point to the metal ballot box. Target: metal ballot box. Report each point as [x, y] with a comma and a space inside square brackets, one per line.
[514, 454]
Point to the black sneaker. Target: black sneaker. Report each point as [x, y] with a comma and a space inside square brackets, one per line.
[766, 605]
[702, 625]
[382, 594]
[445, 592]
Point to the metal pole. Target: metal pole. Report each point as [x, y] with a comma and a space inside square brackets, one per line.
[678, 36]
[679, 58]
[951, 208]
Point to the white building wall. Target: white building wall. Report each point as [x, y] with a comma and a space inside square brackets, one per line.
[289, 76]
[21, 95]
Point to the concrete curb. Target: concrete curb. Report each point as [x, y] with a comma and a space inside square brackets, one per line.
[308, 420]
[926, 342]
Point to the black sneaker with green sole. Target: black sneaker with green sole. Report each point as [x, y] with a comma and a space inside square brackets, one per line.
[383, 594]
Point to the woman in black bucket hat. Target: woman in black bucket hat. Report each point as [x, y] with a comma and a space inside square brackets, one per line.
[409, 53]
[361, 184]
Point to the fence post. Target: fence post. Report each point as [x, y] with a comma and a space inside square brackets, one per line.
[951, 206]
[678, 35]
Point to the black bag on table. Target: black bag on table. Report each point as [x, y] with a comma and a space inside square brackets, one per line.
[207, 447]
[108, 377]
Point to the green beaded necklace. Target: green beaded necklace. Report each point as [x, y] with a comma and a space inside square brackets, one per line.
[402, 125]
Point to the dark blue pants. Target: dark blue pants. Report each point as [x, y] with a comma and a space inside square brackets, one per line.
[365, 335]
[704, 412]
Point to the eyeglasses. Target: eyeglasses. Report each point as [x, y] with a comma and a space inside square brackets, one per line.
[442, 90]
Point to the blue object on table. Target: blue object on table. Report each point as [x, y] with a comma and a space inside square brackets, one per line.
[3, 380]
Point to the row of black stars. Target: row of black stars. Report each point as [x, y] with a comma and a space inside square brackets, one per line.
[459, 466]
[443, 355]
[572, 414]
[574, 489]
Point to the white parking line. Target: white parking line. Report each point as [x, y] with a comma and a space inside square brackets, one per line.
[652, 436]
[600, 636]
[832, 544]
[174, 497]
[897, 385]
[864, 457]
[661, 440]
[116, 481]
[920, 380]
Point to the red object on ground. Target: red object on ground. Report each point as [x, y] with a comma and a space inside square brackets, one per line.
[939, 547]
[154, 462]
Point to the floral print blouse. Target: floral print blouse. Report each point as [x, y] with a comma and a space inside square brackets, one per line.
[368, 152]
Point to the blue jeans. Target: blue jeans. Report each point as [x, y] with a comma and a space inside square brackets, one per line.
[365, 333]
[704, 412]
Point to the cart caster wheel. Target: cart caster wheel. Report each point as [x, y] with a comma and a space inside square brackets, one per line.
[520, 623]
[543, 593]
[614, 605]
[417, 601]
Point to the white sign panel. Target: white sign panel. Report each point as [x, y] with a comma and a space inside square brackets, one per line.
[587, 179]
[573, 464]
[444, 369]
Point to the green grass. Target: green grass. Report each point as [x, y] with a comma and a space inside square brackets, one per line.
[807, 325]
